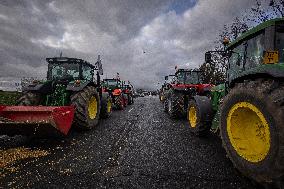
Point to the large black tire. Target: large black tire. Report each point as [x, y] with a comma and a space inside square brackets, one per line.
[86, 117]
[200, 115]
[130, 99]
[106, 107]
[268, 98]
[175, 102]
[29, 99]
[118, 102]
[165, 106]
[125, 100]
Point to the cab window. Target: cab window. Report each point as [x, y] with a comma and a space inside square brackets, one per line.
[87, 72]
[236, 60]
[254, 51]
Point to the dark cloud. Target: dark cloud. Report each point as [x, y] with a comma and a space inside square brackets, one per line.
[119, 30]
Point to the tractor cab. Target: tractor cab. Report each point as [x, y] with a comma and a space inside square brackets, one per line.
[111, 84]
[257, 52]
[71, 69]
[188, 76]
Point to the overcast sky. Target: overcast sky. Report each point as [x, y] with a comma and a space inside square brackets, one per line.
[170, 32]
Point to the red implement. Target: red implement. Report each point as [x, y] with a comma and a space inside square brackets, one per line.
[36, 120]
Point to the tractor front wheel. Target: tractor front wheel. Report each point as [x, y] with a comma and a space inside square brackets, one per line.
[130, 99]
[87, 104]
[106, 108]
[199, 115]
[175, 102]
[252, 129]
[125, 100]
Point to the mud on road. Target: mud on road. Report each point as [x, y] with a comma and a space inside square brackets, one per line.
[139, 147]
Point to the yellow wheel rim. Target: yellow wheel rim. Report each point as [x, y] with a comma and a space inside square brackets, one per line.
[93, 108]
[109, 104]
[192, 116]
[162, 98]
[248, 132]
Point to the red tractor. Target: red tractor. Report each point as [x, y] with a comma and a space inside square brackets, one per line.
[185, 84]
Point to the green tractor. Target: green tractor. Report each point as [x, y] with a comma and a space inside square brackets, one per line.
[70, 96]
[248, 109]
[115, 89]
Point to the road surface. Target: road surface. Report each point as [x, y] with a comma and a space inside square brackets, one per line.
[139, 147]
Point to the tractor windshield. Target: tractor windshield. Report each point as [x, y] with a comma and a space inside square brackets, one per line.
[280, 42]
[192, 77]
[188, 77]
[64, 70]
[87, 72]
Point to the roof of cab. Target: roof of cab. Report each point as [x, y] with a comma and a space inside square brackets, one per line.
[71, 60]
[254, 30]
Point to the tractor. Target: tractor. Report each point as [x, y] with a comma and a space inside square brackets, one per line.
[248, 109]
[165, 87]
[115, 89]
[185, 84]
[128, 90]
[69, 96]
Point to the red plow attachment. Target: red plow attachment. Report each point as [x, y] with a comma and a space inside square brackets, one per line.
[36, 120]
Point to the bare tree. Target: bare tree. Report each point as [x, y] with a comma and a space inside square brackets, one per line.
[215, 72]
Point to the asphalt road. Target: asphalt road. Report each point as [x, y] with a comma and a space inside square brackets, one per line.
[139, 147]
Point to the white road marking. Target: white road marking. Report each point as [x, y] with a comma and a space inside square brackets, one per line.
[130, 110]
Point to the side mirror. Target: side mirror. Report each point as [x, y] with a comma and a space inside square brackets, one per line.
[208, 57]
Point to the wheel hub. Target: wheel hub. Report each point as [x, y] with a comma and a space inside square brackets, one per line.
[92, 108]
[248, 131]
[109, 104]
[192, 116]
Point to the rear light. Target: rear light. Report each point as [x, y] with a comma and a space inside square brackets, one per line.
[77, 83]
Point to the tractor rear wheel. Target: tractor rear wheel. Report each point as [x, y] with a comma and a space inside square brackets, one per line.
[106, 107]
[175, 102]
[199, 115]
[125, 100]
[118, 102]
[87, 104]
[165, 105]
[252, 129]
[130, 99]
[29, 99]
